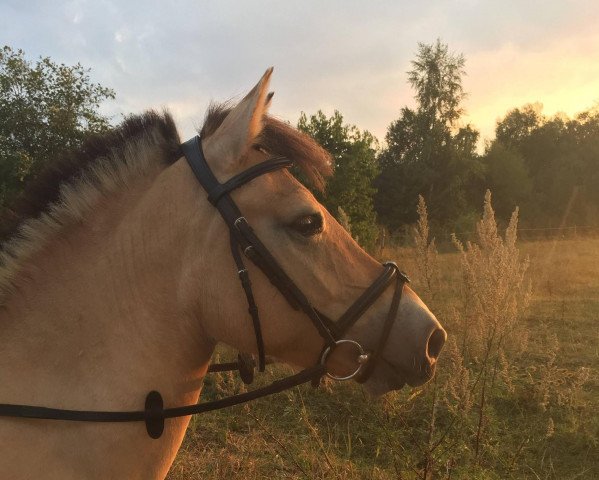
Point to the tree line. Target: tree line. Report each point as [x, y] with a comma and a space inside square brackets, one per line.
[547, 166]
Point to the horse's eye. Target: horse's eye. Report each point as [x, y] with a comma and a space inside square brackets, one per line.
[308, 225]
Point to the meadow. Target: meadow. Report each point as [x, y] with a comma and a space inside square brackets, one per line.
[516, 394]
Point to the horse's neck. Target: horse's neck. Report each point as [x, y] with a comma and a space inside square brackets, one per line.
[95, 324]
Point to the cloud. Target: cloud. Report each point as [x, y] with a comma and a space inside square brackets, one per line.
[345, 55]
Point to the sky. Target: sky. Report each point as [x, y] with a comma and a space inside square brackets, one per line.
[337, 54]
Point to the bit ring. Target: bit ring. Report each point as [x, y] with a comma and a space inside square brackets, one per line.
[362, 358]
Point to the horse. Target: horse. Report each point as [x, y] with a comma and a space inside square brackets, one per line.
[117, 278]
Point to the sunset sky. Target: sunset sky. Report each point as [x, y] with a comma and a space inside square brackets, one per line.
[345, 55]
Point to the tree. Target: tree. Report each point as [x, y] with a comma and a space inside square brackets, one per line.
[45, 109]
[507, 177]
[350, 189]
[437, 78]
[560, 157]
[426, 152]
[518, 124]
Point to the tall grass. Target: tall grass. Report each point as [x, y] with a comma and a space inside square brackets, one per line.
[485, 332]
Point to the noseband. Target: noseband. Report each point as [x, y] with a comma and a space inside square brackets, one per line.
[243, 239]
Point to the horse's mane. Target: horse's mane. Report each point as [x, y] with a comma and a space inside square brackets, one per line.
[109, 148]
[70, 185]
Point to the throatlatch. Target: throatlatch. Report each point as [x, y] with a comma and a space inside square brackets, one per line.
[243, 239]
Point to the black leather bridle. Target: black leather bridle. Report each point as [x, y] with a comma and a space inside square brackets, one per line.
[243, 239]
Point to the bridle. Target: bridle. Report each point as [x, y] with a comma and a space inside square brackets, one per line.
[243, 239]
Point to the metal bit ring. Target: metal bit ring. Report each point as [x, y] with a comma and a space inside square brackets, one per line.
[362, 359]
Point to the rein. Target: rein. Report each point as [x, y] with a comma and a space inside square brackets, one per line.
[243, 239]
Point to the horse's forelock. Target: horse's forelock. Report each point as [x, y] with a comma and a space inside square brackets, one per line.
[280, 138]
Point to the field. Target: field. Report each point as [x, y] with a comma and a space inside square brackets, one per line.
[531, 414]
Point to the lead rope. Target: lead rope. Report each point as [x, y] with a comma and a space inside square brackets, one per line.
[154, 413]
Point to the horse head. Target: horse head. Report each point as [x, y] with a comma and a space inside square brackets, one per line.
[319, 256]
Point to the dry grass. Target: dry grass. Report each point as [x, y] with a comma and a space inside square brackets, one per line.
[538, 418]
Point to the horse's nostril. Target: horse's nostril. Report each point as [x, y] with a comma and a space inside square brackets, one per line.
[435, 343]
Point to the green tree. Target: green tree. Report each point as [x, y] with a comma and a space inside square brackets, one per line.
[507, 177]
[350, 188]
[45, 109]
[426, 152]
[518, 124]
[561, 158]
[437, 78]
[585, 129]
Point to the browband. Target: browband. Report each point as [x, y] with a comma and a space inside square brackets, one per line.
[237, 181]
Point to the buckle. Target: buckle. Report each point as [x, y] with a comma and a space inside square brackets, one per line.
[362, 358]
[239, 220]
[402, 275]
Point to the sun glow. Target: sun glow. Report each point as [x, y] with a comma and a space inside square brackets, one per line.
[563, 77]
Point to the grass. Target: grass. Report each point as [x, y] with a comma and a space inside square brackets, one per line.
[545, 426]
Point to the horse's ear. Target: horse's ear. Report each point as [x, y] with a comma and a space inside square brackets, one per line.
[268, 99]
[231, 141]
